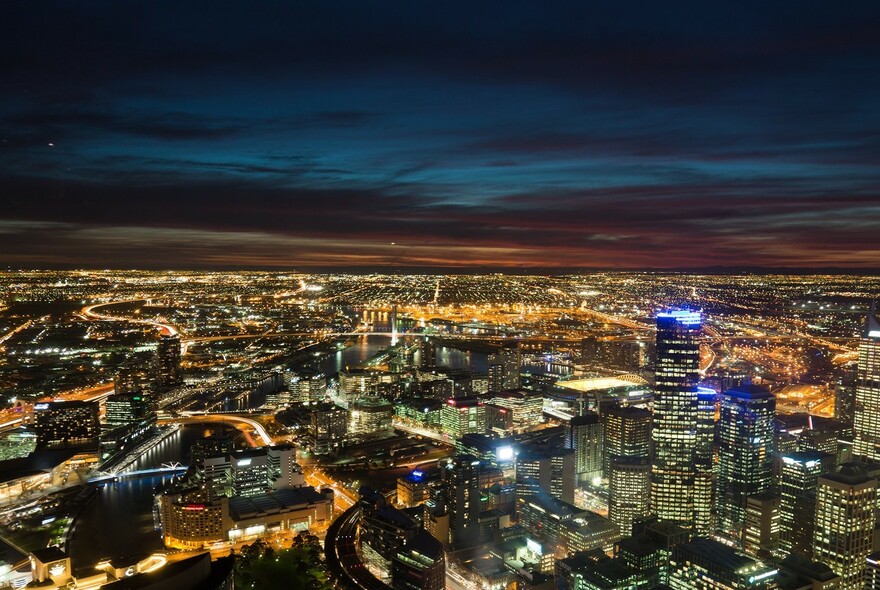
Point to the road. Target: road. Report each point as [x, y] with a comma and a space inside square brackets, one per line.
[264, 438]
[89, 312]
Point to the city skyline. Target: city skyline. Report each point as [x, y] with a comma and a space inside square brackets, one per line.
[516, 136]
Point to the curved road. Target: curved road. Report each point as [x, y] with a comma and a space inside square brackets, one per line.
[340, 549]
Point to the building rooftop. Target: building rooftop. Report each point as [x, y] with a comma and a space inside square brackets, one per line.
[749, 392]
[722, 556]
[425, 544]
[274, 502]
[49, 554]
[42, 461]
[554, 506]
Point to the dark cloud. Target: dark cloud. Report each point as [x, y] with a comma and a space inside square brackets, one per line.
[537, 134]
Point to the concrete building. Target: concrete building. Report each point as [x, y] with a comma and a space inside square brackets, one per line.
[370, 418]
[843, 537]
[707, 564]
[760, 533]
[629, 491]
[627, 433]
[504, 367]
[800, 477]
[584, 434]
[66, 424]
[189, 521]
[253, 472]
[327, 428]
[168, 356]
[420, 564]
[550, 470]
[461, 479]
[462, 415]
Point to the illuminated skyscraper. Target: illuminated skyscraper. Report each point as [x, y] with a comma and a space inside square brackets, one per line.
[126, 408]
[550, 470]
[427, 353]
[677, 428]
[584, 435]
[867, 406]
[844, 526]
[461, 477]
[629, 491]
[504, 368]
[745, 460]
[168, 357]
[800, 475]
[627, 433]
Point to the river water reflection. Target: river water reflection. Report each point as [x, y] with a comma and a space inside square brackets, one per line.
[119, 520]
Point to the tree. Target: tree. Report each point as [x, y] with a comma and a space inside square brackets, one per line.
[301, 566]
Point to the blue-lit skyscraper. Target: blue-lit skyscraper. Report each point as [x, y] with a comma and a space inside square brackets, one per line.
[681, 489]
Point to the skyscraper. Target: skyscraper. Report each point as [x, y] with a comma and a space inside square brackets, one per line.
[629, 491]
[462, 483]
[551, 470]
[675, 494]
[844, 525]
[584, 435]
[800, 475]
[867, 404]
[504, 367]
[745, 460]
[168, 358]
[627, 464]
[427, 353]
[627, 434]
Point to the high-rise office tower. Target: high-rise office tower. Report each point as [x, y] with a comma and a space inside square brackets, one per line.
[677, 466]
[745, 453]
[504, 367]
[845, 399]
[168, 357]
[844, 524]
[549, 469]
[427, 353]
[627, 434]
[760, 533]
[584, 435]
[797, 506]
[629, 491]
[704, 459]
[461, 477]
[867, 403]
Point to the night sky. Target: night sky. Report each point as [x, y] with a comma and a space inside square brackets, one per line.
[403, 134]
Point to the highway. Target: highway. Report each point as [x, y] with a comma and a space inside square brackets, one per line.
[89, 312]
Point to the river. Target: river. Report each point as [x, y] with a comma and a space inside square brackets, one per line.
[119, 520]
